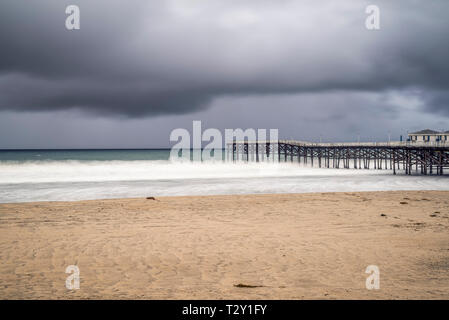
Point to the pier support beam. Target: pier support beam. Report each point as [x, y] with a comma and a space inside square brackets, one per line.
[423, 159]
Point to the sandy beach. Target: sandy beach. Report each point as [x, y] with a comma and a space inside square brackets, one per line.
[288, 246]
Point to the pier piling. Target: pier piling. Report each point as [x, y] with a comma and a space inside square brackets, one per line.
[423, 158]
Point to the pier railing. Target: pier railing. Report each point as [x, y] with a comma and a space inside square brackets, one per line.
[442, 144]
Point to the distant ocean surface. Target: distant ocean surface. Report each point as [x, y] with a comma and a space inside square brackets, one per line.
[59, 175]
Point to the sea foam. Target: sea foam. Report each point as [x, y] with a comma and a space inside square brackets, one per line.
[79, 180]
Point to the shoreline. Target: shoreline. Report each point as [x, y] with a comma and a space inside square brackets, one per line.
[288, 246]
[219, 195]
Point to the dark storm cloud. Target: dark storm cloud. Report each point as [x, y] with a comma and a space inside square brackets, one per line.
[138, 58]
[437, 102]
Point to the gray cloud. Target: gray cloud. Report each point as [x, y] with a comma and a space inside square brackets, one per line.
[437, 102]
[333, 116]
[175, 57]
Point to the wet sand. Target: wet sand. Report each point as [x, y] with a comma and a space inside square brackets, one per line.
[288, 246]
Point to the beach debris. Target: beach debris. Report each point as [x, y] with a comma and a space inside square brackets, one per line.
[241, 285]
[433, 215]
[151, 198]
[383, 215]
[403, 202]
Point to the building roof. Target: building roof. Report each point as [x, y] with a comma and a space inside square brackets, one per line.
[426, 131]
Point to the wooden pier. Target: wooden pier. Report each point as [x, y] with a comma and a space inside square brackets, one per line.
[425, 158]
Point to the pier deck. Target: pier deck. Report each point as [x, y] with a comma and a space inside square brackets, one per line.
[424, 158]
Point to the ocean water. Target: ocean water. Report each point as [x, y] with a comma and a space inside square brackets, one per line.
[48, 175]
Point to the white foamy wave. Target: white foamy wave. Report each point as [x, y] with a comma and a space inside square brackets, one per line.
[97, 171]
[82, 180]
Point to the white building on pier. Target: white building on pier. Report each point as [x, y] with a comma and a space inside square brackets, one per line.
[428, 135]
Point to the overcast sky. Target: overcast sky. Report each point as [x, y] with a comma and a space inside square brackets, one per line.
[138, 69]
